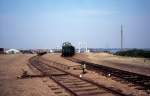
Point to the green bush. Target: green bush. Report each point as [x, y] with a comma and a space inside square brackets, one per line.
[134, 53]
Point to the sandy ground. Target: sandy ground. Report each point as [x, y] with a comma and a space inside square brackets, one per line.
[137, 65]
[11, 67]
[106, 81]
[58, 59]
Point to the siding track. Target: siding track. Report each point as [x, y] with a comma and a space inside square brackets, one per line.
[140, 80]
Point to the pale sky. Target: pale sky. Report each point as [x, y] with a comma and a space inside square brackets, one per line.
[49, 23]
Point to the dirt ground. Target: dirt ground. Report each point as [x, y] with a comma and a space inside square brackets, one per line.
[106, 81]
[137, 65]
[11, 67]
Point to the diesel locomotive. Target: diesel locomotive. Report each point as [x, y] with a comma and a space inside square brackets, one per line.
[68, 49]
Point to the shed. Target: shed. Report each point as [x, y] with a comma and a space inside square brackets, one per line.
[12, 51]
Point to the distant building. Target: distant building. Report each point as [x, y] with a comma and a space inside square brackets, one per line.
[51, 51]
[2, 50]
[12, 51]
[87, 51]
[42, 50]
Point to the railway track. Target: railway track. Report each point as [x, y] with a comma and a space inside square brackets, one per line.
[140, 80]
[75, 85]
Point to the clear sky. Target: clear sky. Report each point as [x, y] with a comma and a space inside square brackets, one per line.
[49, 23]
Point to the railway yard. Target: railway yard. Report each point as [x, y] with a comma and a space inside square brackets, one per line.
[53, 75]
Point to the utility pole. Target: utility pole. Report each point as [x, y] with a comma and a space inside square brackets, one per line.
[121, 37]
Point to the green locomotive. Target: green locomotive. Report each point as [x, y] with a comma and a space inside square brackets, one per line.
[68, 49]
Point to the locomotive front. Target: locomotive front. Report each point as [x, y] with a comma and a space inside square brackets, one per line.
[68, 49]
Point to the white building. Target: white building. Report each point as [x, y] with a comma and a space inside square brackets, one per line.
[51, 51]
[12, 51]
[87, 51]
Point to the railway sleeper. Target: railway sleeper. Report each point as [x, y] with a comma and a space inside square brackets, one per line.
[93, 93]
[83, 89]
[81, 86]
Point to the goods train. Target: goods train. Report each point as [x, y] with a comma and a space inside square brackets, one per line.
[41, 53]
[2, 51]
[68, 49]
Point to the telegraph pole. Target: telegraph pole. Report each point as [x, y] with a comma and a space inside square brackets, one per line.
[121, 37]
